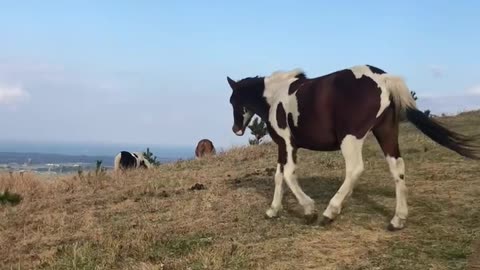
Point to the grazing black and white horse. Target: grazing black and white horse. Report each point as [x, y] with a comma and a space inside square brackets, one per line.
[126, 160]
[335, 112]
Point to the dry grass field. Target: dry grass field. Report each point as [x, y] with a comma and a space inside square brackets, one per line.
[153, 220]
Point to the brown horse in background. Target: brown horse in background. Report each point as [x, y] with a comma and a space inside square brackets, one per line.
[204, 148]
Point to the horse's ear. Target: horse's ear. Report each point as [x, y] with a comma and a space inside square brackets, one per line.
[232, 83]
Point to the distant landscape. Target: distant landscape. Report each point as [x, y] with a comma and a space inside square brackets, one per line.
[65, 158]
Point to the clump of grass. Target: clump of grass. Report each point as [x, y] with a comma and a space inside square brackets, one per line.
[178, 247]
[11, 198]
[77, 256]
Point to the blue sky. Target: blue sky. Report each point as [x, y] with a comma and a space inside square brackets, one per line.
[154, 71]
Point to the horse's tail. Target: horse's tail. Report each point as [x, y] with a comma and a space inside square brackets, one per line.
[405, 104]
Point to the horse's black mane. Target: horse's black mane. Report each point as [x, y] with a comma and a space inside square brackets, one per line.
[301, 75]
[250, 81]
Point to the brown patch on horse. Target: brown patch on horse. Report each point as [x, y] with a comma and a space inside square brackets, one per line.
[281, 116]
[333, 106]
[205, 148]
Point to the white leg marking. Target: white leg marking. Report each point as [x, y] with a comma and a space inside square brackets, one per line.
[352, 152]
[277, 195]
[397, 168]
[291, 180]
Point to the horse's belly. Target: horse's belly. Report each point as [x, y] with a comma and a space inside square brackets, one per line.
[315, 139]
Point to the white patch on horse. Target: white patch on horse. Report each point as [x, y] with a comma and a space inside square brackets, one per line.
[352, 152]
[397, 169]
[379, 79]
[247, 116]
[276, 91]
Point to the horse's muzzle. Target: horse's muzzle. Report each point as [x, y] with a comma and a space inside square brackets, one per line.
[238, 131]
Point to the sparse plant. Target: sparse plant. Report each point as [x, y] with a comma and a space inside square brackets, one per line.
[151, 157]
[80, 172]
[258, 128]
[99, 169]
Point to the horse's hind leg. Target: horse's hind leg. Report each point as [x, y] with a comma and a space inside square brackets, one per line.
[386, 133]
[352, 152]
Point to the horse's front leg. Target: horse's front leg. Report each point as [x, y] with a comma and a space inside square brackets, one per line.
[291, 180]
[278, 193]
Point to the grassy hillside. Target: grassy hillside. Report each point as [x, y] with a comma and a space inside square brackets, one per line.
[152, 220]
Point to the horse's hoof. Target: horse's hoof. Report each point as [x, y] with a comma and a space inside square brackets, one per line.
[392, 228]
[326, 221]
[266, 216]
[310, 218]
[271, 214]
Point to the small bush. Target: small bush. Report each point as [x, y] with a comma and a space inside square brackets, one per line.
[258, 129]
[12, 198]
[151, 157]
[99, 169]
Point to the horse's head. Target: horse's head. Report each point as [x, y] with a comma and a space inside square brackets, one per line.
[142, 161]
[242, 105]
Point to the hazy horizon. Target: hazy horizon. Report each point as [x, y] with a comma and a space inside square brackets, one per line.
[94, 149]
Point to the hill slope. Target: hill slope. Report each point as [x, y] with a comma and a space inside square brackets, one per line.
[152, 220]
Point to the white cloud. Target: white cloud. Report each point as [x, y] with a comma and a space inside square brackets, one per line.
[475, 90]
[12, 94]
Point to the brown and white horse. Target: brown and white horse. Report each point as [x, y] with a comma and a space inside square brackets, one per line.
[335, 112]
